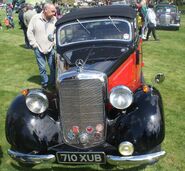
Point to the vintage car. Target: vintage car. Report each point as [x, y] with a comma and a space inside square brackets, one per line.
[102, 111]
[120, 2]
[168, 16]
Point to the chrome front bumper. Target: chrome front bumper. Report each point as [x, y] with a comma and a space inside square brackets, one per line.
[168, 25]
[30, 158]
[113, 160]
[136, 160]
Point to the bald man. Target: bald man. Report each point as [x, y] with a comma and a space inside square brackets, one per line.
[40, 28]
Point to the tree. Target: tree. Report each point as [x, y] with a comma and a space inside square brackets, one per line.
[71, 2]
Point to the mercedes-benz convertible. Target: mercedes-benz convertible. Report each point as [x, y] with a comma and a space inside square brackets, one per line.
[102, 111]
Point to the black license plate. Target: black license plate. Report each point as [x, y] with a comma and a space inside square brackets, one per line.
[80, 157]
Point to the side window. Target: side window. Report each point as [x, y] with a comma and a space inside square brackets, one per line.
[66, 35]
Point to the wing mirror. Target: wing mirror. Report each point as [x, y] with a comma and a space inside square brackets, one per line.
[159, 78]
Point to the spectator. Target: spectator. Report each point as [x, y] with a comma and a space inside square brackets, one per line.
[23, 26]
[140, 23]
[142, 8]
[38, 8]
[151, 20]
[14, 3]
[28, 14]
[1, 26]
[40, 28]
[7, 24]
[58, 12]
[9, 13]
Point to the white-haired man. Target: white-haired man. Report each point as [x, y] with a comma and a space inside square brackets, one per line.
[40, 28]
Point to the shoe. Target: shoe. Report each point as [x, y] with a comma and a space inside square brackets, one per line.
[157, 40]
[143, 37]
[27, 47]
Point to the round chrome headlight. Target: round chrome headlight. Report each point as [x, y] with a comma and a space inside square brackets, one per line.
[37, 102]
[121, 97]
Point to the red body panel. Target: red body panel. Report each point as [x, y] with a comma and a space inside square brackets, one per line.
[128, 74]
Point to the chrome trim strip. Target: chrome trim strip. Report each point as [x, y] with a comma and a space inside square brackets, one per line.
[168, 25]
[136, 160]
[30, 158]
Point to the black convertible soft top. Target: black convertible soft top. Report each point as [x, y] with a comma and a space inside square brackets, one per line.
[102, 11]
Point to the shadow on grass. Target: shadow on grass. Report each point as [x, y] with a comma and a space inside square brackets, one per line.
[126, 168]
[55, 168]
[78, 168]
[167, 28]
[1, 154]
[34, 79]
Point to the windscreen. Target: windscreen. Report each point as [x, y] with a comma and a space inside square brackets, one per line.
[94, 30]
[166, 9]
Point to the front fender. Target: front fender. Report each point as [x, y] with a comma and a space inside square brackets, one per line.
[143, 126]
[28, 132]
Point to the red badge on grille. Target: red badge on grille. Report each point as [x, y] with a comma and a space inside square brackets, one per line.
[75, 130]
[97, 136]
[99, 127]
[89, 129]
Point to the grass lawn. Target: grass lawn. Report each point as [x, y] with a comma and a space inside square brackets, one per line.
[18, 70]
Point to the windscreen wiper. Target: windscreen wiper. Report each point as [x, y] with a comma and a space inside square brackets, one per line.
[83, 26]
[115, 25]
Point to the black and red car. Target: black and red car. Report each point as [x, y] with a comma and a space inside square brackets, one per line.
[102, 110]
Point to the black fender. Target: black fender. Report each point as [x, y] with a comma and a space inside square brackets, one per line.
[27, 132]
[143, 125]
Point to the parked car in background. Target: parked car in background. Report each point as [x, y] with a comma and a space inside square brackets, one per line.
[120, 2]
[168, 16]
[102, 111]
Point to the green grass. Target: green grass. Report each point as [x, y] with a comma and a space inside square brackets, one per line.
[18, 70]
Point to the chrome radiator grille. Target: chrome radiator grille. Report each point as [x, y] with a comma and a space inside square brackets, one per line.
[165, 19]
[82, 112]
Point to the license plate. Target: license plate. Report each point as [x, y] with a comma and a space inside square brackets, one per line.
[80, 157]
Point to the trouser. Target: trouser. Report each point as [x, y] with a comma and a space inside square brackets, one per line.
[41, 61]
[151, 29]
[26, 38]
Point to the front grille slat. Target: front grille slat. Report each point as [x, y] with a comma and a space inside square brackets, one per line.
[82, 105]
